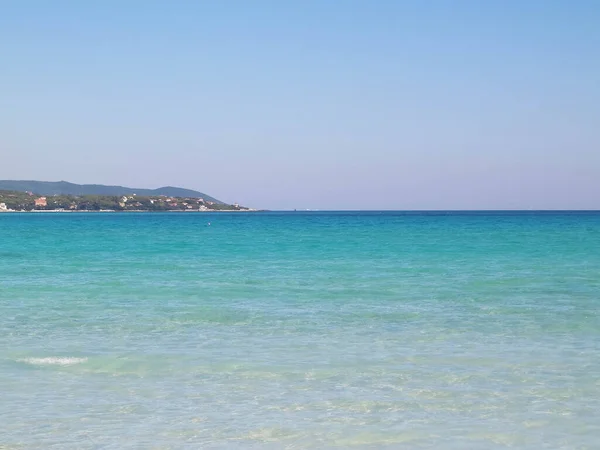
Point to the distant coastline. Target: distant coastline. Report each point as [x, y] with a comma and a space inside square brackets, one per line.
[18, 201]
[52, 188]
[108, 211]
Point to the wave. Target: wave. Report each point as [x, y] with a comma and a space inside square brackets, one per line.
[53, 360]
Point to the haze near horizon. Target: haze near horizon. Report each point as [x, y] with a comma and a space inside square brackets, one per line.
[322, 105]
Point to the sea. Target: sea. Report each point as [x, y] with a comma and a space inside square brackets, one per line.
[305, 330]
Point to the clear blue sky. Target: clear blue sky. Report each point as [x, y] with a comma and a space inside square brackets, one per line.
[309, 104]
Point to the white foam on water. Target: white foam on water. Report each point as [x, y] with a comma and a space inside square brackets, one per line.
[53, 360]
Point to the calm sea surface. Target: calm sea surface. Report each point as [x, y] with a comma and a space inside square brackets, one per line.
[300, 330]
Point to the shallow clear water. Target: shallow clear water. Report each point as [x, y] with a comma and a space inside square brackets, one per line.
[344, 330]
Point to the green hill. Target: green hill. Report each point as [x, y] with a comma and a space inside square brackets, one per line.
[66, 188]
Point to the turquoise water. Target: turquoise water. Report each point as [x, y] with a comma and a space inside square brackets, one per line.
[316, 330]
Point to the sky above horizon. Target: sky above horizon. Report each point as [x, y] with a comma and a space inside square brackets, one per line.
[313, 104]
